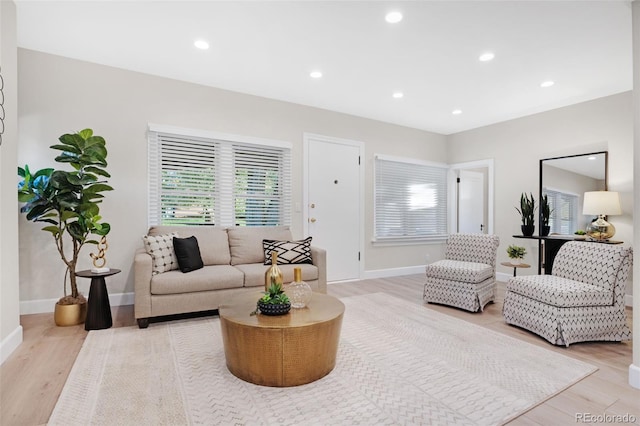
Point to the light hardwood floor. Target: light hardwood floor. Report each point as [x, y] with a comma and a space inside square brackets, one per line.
[32, 378]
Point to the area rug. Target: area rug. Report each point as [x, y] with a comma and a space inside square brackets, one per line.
[398, 363]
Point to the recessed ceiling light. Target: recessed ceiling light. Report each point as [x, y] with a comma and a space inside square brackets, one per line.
[486, 57]
[456, 112]
[547, 83]
[591, 158]
[315, 74]
[398, 95]
[201, 44]
[393, 17]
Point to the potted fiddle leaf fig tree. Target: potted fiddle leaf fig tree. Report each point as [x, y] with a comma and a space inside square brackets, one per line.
[68, 203]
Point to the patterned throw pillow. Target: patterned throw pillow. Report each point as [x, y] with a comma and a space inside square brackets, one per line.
[160, 248]
[289, 252]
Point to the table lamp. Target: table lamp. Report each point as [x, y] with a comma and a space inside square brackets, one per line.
[601, 203]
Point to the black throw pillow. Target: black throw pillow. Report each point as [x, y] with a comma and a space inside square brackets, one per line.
[188, 253]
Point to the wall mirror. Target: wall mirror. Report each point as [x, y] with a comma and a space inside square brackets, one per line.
[565, 180]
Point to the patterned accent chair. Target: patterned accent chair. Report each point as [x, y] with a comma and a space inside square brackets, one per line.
[582, 300]
[466, 277]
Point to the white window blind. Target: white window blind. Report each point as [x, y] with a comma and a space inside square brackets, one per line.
[199, 180]
[410, 199]
[564, 214]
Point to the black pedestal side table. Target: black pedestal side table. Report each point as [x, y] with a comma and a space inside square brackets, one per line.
[98, 306]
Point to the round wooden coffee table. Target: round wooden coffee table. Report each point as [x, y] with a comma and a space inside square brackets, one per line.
[288, 350]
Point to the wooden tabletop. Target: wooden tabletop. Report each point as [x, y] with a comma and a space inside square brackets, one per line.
[321, 308]
[516, 265]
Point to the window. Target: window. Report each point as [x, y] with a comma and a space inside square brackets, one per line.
[197, 178]
[564, 211]
[410, 200]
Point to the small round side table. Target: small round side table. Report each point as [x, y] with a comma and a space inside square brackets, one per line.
[98, 306]
[515, 266]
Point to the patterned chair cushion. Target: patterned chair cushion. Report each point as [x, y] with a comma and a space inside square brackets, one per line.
[479, 248]
[456, 270]
[592, 263]
[558, 291]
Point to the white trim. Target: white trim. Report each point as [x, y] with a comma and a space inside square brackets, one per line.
[628, 300]
[410, 161]
[480, 164]
[42, 306]
[10, 344]
[394, 272]
[210, 134]
[306, 138]
[634, 376]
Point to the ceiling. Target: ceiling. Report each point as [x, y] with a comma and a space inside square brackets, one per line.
[268, 49]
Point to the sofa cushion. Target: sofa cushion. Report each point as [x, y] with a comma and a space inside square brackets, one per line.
[558, 291]
[188, 253]
[214, 277]
[212, 240]
[245, 242]
[160, 248]
[456, 270]
[289, 252]
[254, 273]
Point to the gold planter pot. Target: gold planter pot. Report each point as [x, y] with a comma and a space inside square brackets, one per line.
[65, 315]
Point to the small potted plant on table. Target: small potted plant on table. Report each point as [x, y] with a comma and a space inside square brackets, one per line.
[516, 254]
[274, 301]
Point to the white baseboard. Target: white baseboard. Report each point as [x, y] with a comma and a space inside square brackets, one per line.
[47, 305]
[628, 300]
[10, 344]
[503, 276]
[393, 272]
[634, 376]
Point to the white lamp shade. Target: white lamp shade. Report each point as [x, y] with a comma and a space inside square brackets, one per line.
[601, 203]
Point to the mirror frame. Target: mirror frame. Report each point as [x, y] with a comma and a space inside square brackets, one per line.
[606, 177]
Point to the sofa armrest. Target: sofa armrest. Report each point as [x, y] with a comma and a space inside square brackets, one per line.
[142, 271]
[319, 259]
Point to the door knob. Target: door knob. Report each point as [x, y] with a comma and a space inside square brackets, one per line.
[312, 220]
[313, 205]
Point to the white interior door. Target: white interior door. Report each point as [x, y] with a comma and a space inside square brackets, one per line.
[471, 201]
[333, 203]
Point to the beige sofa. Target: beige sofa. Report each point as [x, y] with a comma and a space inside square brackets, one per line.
[233, 262]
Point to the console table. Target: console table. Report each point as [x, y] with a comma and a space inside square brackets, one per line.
[548, 248]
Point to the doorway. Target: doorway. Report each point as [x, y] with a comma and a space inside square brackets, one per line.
[333, 202]
[471, 197]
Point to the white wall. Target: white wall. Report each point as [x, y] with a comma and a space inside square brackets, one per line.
[517, 146]
[10, 329]
[60, 95]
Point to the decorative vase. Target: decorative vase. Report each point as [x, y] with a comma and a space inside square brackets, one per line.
[66, 315]
[299, 292]
[527, 230]
[516, 261]
[273, 274]
[273, 309]
[544, 230]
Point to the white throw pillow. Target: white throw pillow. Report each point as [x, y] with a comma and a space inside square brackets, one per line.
[160, 248]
